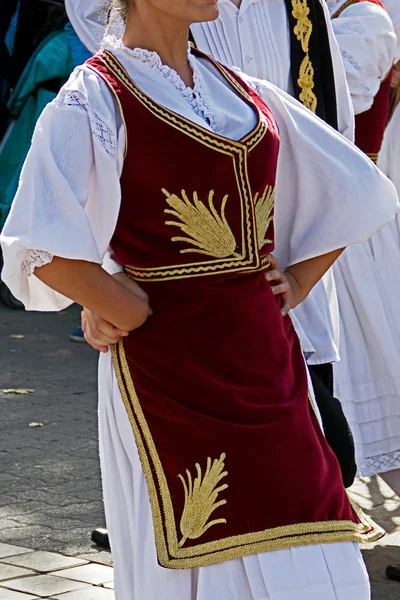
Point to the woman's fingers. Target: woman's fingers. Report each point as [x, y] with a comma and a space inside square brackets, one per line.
[282, 288]
[104, 328]
[273, 261]
[286, 305]
[99, 333]
[273, 275]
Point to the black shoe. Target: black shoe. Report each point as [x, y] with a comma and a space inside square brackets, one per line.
[393, 572]
[100, 538]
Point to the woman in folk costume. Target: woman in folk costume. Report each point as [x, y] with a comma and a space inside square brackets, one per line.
[367, 379]
[271, 40]
[218, 481]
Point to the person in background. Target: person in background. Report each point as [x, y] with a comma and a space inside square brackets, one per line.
[367, 379]
[389, 159]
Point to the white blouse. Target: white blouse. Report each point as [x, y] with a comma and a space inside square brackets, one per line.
[69, 195]
[368, 44]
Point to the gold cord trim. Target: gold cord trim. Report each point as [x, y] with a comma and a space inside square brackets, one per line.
[169, 553]
[303, 30]
[178, 121]
[373, 156]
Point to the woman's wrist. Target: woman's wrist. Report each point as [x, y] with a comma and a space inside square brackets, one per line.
[298, 294]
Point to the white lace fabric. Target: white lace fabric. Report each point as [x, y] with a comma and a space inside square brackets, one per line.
[379, 464]
[100, 130]
[34, 259]
[196, 97]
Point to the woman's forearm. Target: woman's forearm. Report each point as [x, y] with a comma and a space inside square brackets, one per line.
[89, 285]
[309, 272]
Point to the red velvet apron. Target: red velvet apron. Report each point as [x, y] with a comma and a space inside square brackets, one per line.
[371, 124]
[215, 383]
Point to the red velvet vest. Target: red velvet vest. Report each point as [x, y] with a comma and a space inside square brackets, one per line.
[215, 383]
[371, 124]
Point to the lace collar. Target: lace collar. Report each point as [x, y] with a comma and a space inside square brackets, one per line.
[196, 97]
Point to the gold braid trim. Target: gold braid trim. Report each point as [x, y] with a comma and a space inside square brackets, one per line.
[303, 31]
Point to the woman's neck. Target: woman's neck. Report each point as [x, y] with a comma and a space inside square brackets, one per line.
[158, 33]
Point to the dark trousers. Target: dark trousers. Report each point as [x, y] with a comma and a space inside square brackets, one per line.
[337, 431]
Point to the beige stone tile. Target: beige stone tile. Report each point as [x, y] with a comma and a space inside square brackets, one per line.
[103, 557]
[11, 572]
[45, 562]
[10, 595]
[43, 585]
[92, 593]
[94, 574]
[9, 550]
[109, 586]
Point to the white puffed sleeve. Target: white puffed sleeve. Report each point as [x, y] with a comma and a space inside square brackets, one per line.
[328, 193]
[367, 42]
[68, 199]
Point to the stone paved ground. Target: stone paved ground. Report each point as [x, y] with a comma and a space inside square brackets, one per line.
[50, 496]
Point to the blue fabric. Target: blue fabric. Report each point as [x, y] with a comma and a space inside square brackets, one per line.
[78, 51]
[51, 60]
[12, 30]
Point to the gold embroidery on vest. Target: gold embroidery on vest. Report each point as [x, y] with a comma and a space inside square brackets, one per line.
[263, 208]
[303, 31]
[209, 232]
[201, 499]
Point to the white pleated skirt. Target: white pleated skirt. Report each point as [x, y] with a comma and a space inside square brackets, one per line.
[328, 571]
[367, 379]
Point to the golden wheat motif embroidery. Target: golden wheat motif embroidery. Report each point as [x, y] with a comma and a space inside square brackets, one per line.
[201, 499]
[207, 230]
[264, 206]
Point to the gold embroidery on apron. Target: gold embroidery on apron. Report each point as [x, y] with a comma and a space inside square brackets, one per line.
[208, 231]
[201, 499]
[263, 208]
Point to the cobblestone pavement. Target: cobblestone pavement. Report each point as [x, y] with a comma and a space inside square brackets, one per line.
[50, 496]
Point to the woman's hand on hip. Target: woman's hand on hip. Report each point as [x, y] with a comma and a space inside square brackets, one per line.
[101, 334]
[283, 284]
